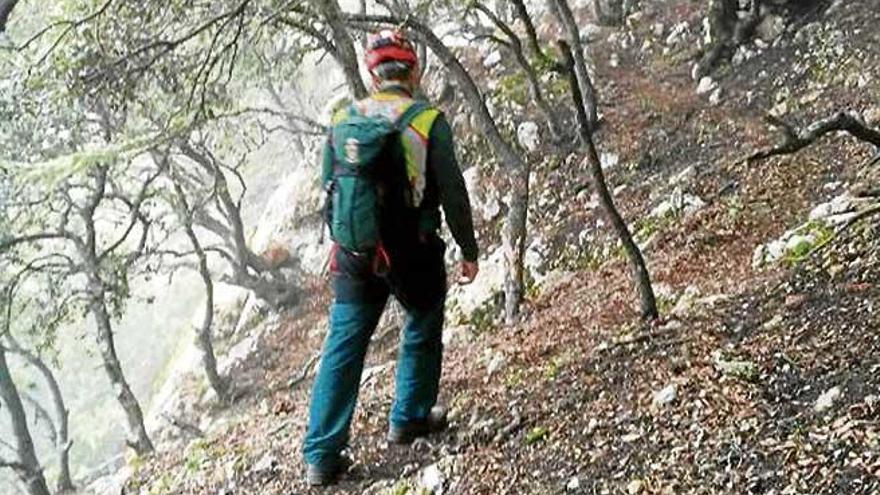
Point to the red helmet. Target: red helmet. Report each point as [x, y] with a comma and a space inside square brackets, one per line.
[388, 45]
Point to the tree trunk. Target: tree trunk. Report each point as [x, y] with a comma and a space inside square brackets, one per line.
[634, 254]
[203, 333]
[608, 12]
[6, 8]
[722, 26]
[522, 13]
[276, 290]
[722, 19]
[137, 439]
[26, 466]
[585, 83]
[97, 291]
[513, 243]
[342, 40]
[62, 415]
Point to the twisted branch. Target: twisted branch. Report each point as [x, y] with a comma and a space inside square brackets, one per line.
[794, 140]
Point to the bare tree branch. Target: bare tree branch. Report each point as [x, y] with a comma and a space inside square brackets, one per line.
[69, 25]
[310, 30]
[135, 216]
[522, 13]
[59, 434]
[15, 466]
[8, 244]
[588, 91]
[159, 48]
[515, 47]
[796, 139]
[203, 334]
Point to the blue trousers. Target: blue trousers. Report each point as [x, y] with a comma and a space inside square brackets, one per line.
[354, 315]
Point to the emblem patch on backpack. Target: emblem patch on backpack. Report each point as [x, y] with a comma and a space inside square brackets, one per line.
[351, 151]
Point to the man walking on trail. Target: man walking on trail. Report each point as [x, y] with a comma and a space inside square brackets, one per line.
[388, 166]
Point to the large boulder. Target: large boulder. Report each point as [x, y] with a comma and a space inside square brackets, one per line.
[291, 225]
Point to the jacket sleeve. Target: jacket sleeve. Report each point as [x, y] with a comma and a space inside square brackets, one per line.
[451, 187]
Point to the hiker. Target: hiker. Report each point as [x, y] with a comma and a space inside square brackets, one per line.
[388, 166]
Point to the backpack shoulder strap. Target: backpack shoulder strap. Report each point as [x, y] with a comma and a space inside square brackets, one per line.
[410, 114]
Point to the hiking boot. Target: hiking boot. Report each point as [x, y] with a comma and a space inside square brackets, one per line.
[406, 433]
[328, 474]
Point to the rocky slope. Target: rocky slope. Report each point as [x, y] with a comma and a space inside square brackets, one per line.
[764, 375]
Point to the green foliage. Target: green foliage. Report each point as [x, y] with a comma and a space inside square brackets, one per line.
[558, 87]
[533, 289]
[535, 435]
[551, 369]
[649, 225]
[162, 486]
[512, 88]
[816, 235]
[665, 303]
[514, 378]
[196, 456]
[734, 207]
[402, 487]
[484, 318]
[584, 259]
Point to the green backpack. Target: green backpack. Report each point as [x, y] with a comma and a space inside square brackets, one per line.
[368, 176]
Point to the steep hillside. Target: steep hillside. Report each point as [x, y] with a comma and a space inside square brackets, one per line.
[762, 377]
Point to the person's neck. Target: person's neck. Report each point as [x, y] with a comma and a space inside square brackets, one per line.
[395, 87]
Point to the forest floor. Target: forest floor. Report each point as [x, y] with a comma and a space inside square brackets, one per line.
[755, 381]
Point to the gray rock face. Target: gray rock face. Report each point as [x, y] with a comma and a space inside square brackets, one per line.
[666, 396]
[457, 336]
[266, 464]
[432, 479]
[677, 34]
[770, 28]
[528, 135]
[591, 32]
[872, 116]
[678, 202]
[492, 60]
[715, 97]
[837, 206]
[609, 160]
[826, 400]
[484, 200]
[706, 85]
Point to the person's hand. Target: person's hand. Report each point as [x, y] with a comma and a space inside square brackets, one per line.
[469, 270]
